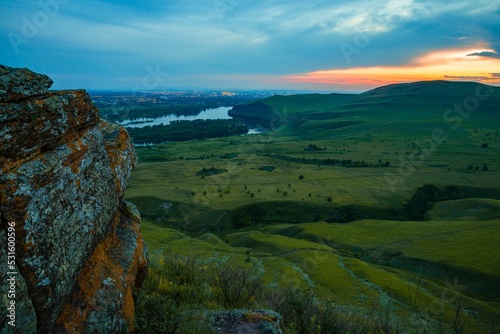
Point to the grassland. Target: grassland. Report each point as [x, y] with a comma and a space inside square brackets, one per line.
[361, 266]
[343, 231]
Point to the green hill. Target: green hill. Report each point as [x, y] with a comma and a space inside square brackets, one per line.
[273, 111]
[394, 108]
[471, 209]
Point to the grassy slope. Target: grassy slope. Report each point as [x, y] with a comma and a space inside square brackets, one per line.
[455, 243]
[354, 264]
[466, 209]
[291, 106]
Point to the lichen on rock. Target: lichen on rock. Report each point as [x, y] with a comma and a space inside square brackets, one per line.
[63, 173]
[17, 83]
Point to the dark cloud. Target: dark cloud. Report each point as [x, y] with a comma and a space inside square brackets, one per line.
[491, 76]
[488, 54]
[467, 77]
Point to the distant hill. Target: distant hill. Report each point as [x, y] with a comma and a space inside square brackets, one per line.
[427, 102]
[438, 92]
[271, 111]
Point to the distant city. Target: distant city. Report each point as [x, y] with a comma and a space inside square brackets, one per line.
[224, 98]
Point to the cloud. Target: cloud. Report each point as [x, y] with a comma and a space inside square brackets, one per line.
[470, 77]
[199, 41]
[488, 54]
[450, 64]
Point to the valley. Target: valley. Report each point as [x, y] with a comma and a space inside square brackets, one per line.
[388, 200]
[250, 167]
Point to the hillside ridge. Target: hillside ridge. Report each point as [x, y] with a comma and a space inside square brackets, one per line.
[275, 111]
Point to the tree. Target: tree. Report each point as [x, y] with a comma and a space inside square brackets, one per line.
[418, 205]
[485, 168]
[301, 177]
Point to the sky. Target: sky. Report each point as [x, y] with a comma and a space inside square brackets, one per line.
[334, 45]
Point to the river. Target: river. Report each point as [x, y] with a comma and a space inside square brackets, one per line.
[213, 113]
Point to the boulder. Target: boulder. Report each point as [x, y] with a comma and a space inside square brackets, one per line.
[63, 173]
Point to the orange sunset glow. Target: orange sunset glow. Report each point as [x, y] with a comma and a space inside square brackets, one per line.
[453, 65]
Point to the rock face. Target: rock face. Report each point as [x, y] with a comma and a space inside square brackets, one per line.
[79, 252]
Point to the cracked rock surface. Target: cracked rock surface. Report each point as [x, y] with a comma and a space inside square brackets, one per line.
[63, 173]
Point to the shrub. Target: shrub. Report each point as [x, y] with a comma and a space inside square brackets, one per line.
[247, 215]
[421, 202]
[153, 314]
[239, 286]
[178, 285]
[303, 313]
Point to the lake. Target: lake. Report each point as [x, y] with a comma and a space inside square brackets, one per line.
[213, 113]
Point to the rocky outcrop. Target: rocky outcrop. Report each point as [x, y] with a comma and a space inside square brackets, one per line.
[78, 248]
[247, 322]
[16, 84]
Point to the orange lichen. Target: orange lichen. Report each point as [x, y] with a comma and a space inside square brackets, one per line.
[78, 151]
[97, 268]
[258, 317]
[101, 266]
[114, 148]
[129, 308]
[32, 133]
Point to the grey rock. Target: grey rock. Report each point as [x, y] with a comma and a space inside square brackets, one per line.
[24, 315]
[17, 83]
[63, 173]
